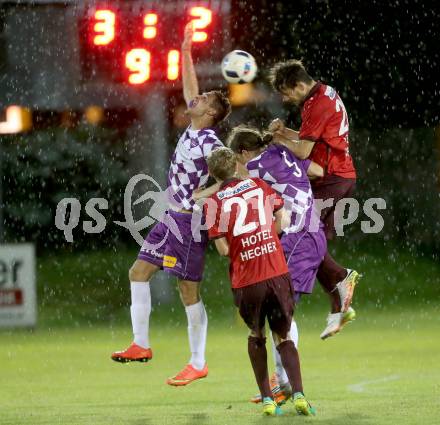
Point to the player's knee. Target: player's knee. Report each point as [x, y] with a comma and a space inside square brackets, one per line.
[257, 339]
[279, 339]
[134, 275]
[139, 274]
[189, 293]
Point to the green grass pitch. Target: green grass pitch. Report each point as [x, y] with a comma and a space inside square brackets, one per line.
[382, 369]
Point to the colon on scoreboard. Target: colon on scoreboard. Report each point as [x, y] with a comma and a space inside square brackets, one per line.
[139, 42]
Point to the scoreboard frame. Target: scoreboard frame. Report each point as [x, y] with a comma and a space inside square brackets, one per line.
[94, 72]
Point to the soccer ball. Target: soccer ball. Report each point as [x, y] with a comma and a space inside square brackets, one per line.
[239, 67]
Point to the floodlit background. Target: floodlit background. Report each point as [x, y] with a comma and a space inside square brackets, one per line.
[75, 123]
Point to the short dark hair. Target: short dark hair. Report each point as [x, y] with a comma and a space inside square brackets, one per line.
[247, 138]
[222, 106]
[222, 163]
[286, 75]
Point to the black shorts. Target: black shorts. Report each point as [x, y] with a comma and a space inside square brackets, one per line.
[335, 187]
[272, 299]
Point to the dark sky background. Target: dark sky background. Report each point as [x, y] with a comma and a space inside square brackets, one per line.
[383, 57]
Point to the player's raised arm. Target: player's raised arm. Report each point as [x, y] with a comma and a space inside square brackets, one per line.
[222, 246]
[189, 77]
[300, 148]
[290, 139]
[315, 170]
[277, 126]
[203, 193]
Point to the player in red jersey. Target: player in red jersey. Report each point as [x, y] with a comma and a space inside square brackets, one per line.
[239, 218]
[323, 138]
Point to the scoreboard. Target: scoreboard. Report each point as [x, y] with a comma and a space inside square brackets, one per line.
[70, 54]
[138, 42]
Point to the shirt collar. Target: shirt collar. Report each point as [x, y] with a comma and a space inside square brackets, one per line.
[227, 182]
[315, 88]
[258, 158]
[192, 132]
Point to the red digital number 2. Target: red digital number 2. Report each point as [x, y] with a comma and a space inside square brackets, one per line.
[203, 19]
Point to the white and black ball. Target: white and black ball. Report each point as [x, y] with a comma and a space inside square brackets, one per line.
[239, 67]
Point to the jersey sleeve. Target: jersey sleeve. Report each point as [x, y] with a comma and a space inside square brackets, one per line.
[306, 164]
[254, 169]
[314, 120]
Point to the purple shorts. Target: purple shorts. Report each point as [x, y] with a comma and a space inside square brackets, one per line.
[171, 246]
[304, 252]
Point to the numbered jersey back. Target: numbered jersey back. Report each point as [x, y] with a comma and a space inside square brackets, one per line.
[242, 212]
[325, 122]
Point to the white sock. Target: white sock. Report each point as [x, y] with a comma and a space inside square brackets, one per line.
[197, 329]
[140, 312]
[279, 369]
[294, 333]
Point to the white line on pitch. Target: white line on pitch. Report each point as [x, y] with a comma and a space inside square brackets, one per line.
[359, 388]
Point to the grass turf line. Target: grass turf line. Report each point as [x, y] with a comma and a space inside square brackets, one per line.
[65, 376]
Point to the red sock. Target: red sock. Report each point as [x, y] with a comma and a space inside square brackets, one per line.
[290, 359]
[258, 356]
[330, 273]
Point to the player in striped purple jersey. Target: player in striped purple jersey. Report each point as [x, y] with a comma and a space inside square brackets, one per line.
[171, 244]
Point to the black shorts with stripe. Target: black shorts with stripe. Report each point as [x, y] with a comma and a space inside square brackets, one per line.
[272, 299]
[337, 188]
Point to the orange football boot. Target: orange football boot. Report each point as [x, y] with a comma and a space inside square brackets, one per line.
[280, 396]
[134, 353]
[187, 375]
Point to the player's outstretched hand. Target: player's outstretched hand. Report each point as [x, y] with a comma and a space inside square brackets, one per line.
[278, 139]
[187, 39]
[277, 126]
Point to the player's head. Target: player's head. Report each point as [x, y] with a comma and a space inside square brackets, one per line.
[212, 106]
[222, 164]
[291, 79]
[247, 142]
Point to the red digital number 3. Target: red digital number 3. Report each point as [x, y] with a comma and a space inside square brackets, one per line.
[104, 27]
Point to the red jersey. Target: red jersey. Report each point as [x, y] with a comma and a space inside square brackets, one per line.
[242, 212]
[325, 121]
